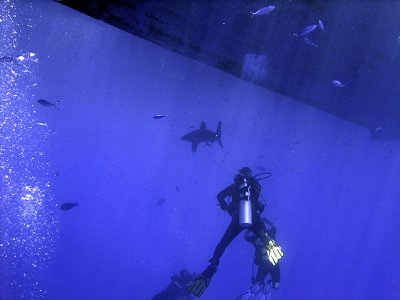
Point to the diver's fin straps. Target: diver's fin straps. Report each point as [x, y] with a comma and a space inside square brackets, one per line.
[274, 252]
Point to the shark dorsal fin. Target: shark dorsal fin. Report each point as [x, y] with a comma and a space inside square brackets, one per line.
[203, 125]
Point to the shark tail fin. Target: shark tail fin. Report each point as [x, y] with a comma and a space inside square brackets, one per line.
[219, 134]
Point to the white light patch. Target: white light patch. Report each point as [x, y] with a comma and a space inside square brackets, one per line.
[20, 58]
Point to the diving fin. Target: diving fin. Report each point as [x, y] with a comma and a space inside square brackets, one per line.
[198, 285]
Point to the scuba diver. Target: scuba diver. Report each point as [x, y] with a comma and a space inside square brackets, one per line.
[245, 208]
[259, 289]
[176, 290]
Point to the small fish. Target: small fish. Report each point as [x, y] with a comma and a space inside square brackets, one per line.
[338, 84]
[306, 30]
[161, 201]
[309, 42]
[177, 189]
[159, 116]
[262, 169]
[48, 104]
[262, 11]
[321, 25]
[42, 123]
[68, 205]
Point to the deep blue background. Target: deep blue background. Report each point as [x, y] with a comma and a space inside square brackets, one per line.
[333, 194]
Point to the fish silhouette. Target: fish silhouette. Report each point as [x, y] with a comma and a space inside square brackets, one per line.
[203, 135]
[159, 116]
[161, 201]
[68, 205]
[262, 11]
[48, 104]
[338, 83]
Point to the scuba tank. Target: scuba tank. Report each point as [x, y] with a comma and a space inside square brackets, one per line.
[245, 212]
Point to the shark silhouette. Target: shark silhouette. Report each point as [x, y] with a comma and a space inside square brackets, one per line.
[203, 135]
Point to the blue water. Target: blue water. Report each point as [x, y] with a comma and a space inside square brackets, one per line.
[333, 194]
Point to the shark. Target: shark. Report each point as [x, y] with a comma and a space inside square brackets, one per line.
[203, 135]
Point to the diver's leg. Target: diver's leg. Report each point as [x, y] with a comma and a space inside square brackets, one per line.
[276, 276]
[200, 283]
[262, 273]
[259, 229]
[231, 232]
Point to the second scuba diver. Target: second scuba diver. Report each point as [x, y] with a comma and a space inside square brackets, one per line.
[245, 209]
[259, 289]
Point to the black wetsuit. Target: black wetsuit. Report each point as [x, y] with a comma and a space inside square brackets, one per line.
[265, 267]
[258, 227]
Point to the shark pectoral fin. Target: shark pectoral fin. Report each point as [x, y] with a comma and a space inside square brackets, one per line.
[194, 146]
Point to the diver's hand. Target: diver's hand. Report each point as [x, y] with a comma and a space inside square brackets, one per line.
[231, 211]
[228, 209]
[223, 206]
[274, 252]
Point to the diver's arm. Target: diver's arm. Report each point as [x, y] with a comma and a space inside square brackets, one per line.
[222, 195]
[259, 207]
[272, 230]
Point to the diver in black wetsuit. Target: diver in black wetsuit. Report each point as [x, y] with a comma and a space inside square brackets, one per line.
[265, 267]
[176, 290]
[245, 208]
